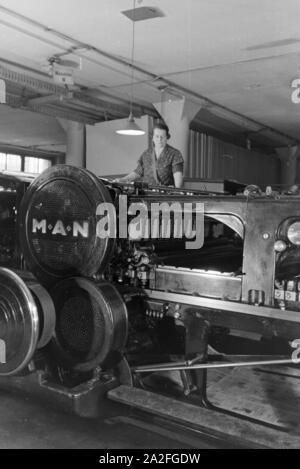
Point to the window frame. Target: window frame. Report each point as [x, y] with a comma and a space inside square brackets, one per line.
[23, 156]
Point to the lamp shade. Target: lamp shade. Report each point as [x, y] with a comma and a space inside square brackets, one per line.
[130, 128]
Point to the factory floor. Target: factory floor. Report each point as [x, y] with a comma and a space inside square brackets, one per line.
[269, 394]
[25, 423]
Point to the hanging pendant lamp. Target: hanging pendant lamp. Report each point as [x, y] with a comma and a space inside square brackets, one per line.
[130, 127]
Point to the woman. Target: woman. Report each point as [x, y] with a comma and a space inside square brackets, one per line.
[161, 164]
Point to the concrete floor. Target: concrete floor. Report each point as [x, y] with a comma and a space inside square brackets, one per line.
[25, 423]
[28, 422]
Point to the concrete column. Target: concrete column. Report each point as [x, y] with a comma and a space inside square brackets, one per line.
[178, 113]
[288, 157]
[76, 154]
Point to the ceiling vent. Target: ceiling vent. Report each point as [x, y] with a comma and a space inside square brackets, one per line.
[143, 13]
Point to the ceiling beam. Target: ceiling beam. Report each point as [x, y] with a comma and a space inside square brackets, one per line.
[71, 107]
[98, 104]
[28, 151]
[52, 98]
[46, 108]
[56, 94]
[65, 114]
[80, 100]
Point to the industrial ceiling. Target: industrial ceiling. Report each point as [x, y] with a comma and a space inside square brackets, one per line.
[236, 59]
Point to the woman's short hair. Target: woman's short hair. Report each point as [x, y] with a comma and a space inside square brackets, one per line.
[162, 126]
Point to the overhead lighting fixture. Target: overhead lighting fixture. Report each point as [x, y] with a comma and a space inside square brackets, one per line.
[131, 128]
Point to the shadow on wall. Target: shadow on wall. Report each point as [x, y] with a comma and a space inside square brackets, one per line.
[108, 153]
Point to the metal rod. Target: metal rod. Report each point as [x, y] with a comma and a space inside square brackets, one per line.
[201, 366]
[177, 364]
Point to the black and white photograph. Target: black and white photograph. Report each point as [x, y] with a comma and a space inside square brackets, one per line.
[149, 228]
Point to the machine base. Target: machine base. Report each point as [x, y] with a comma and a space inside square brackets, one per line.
[85, 400]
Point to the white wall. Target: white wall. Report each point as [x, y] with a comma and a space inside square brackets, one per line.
[108, 153]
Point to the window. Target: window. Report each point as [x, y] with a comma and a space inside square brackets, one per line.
[29, 164]
[13, 163]
[36, 165]
[10, 162]
[2, 161]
